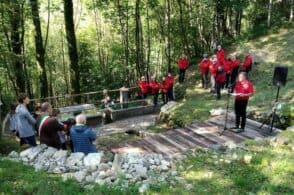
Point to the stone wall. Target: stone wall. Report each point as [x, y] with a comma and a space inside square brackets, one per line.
[131, 167]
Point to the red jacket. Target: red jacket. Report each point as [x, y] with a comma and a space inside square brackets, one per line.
[144, 87]
[154, 85]
[235, 63]
[246, 87]
[170, 81]
[228, 66]
[247, 61]
[183, 63]
[221, 56]
[164, 86]
[204, 65]
[220, 77]
[213, 68]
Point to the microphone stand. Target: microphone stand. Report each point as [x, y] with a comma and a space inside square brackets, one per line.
[227, 109]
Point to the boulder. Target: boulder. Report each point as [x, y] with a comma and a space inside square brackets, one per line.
[31, 153]
[141, 171]
[80, 175]
[13, 154]
[217, 112]
[117, 162]
[75, 159]
[49, 152]
[93, 159]
[103, 167]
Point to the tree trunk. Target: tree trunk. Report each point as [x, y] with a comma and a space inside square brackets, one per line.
[72, 47]
[291, 10]
[16, 45]
[269, 13]
[183, 28]
[168, 37]
[138, 39]
[148, 43]
[40, 51]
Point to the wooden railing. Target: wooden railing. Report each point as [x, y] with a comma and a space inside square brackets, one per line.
[94, 97]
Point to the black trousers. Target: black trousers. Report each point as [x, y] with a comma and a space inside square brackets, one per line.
[204, 80]
[218, 87]
[155, 98]
[182, 73]
[164, 98]
[170, 94]
[228, 78]
[240, 111]
[234, 78]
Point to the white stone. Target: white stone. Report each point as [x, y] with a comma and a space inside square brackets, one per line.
[166, 163]
[100, 181]
[13, 154]
[163, 168]
[141, 171]
[49, 152]
[143, 187]
[102, 175]
[75, 159]
[67, 176]
[93, 159]
[60, 154]
[217, 112]
[103, 167]
[117, 162]
[80, 175]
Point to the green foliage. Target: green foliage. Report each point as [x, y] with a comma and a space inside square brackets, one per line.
[16, 178]
[270, 171]
[7, 145]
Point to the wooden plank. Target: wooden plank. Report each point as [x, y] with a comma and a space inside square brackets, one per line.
[175, 147]
[195, 140]
[159, 146]
[214, 136]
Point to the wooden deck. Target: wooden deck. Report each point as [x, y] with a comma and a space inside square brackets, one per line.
[197, 135]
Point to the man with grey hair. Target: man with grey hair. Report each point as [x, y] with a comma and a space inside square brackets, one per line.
[82, 136]
[49, 127]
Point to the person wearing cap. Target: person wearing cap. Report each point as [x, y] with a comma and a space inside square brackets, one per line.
[170, 82]
[220, 79]
[204, 69]
[183, 64]
[243, 91]
[247, 65]
[235, 69]
[82, 136]
[25, 121]
[154, 85]
[144, 87]
[220, 55]
[164, 89]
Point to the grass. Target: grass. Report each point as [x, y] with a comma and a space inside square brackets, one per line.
[269, 51]
[270, 171]
[16, 178]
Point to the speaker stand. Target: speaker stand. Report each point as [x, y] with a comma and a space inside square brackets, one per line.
[273, 115]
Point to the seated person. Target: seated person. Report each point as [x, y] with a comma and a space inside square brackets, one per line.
[49, 127]
[106, 100]
[82, 136]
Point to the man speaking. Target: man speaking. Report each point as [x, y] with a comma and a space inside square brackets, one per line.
[243, 91]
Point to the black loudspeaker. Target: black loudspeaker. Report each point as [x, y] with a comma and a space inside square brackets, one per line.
[280, 75]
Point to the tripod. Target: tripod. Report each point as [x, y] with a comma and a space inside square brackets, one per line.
[273, 115]
[227, 110]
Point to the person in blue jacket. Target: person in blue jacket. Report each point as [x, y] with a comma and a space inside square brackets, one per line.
[82, 136]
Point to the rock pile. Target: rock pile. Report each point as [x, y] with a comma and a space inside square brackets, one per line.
[131, 167]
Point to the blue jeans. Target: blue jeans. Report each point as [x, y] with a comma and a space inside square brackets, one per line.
[28, 140]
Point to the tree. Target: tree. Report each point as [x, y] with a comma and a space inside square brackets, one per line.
[40, 50]
[72, 46]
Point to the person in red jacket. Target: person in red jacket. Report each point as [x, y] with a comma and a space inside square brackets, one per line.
[154, 85]
[243, 91]
[144, 87]
[235, 70]
[183, 64]
[247, 65]
[164, 89]
[220, 80]
[228, 70]
[212, 70]
[204, 69]
[220, 55]
[170, 82]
